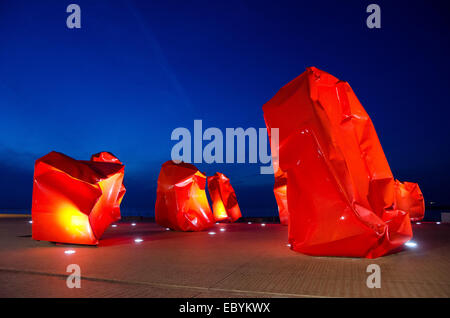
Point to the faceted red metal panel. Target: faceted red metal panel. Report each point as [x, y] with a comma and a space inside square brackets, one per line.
[181, 202]
[225, 205]
[109, 157]
[410, 198]
[105, 156]
[340, 190]
[74, 201]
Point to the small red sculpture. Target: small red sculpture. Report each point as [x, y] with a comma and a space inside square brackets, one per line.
[181, 202]
[280, 191]
[74, 201]
[409, 198]
[225, 205]
[341, 193]
[280, 186]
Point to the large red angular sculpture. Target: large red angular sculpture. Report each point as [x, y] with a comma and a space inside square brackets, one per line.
[225, 205]
[341, 194]
[181, 202]
[74, 201]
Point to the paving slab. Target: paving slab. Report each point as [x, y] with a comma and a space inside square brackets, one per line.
[242, 260]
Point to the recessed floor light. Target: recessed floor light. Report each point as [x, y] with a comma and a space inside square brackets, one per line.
[249, 223]
[263, 224]
[438, 222]
[114, 225]
[222, 230]
[138, 240]
[411, 244]
[212, 233]
[418, 223]
[31, 222]
[69, 252]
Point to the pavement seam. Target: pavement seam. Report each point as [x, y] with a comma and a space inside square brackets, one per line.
[164, 285]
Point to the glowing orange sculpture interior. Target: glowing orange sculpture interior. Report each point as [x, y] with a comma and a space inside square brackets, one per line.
[225, 205]
[341, 195]
[74, 201]
[181, 202]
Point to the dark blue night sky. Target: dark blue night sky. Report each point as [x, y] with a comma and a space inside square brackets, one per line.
[136, 70]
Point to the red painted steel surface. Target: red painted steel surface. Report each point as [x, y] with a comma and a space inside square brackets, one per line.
[74, 201]
[181, 202]
[341, 194]
[410, 198]
[224, 201]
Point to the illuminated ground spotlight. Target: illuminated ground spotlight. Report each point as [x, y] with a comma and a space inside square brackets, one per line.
[249, 223]
[31, 222]
[133, 224]
[69, 252]
[411, 244]
[263, 224]
[212, 233]
[138, 240]
[222, 230]
[418, 223]
[438, 222]
[114, 225]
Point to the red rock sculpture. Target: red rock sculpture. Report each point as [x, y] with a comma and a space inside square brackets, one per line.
[340, 190]
[409, 198]
[74, 201]
[181, 202]
[225, 205]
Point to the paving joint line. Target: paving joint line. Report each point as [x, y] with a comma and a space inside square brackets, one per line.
[165, 285]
